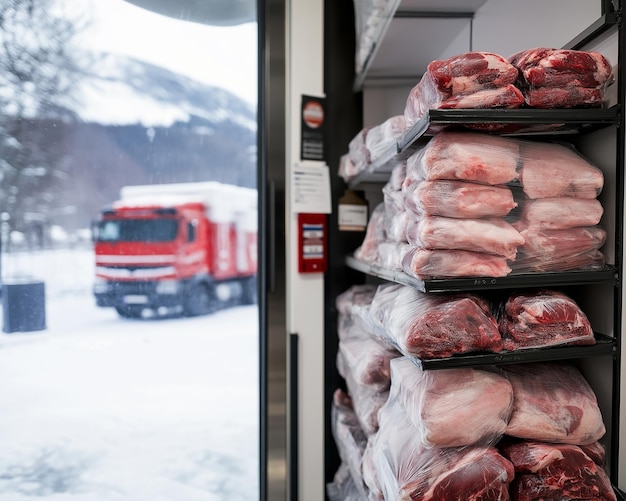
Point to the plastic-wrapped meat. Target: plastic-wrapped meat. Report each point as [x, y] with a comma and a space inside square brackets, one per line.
[358, 295]
[396, 217]
[558, 213]
[570, 97]
[368, 467]
[381, 138]
[343, 488]
[348, 436]
[452, 407]
[489, 235]
[502, 97]
[470, 80]
[554, 170]
[553, 402]
[426, 264]
[426, 326]
[366, 399]
[467, 156]
[552, 245]
[560, 250]
[391, 253]
[556, 471]
[459, 199]
[398, 175]
[589, 260]
[561, 68]
[368, 361]
[543, 318]
[406, 470]
[357, 151]
[347, 170]
[374, 234]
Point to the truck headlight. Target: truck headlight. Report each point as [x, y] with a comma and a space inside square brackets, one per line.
[168, 287]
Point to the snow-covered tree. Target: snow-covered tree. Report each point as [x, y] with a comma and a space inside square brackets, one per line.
[38, 71]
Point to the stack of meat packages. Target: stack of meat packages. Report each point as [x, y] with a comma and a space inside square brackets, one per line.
[523, 432]
[538, 78]
[370, 146]
[470, 204]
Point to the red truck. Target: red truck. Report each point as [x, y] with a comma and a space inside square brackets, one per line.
[177, 249]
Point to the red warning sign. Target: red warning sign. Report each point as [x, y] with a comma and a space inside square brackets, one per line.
[313, 114]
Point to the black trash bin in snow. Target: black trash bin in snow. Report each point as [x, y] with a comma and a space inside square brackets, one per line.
[23, 306]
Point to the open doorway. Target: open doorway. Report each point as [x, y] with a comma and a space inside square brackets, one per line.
[98, 405]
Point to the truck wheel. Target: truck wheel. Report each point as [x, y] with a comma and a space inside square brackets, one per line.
[129, 311]
[199, 301]
[249, 295]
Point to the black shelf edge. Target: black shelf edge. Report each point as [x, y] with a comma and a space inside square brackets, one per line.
[605, 345]
[606, 275]
[379, 170]
[569, 120]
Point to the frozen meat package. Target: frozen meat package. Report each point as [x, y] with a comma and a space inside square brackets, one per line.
[452, 407]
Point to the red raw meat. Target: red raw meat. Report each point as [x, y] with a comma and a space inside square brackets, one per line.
[558, 213]
[466, 81]
[460, 199]
[552, 471]
[590, 260]
[546, 67]
[467, 156]
[489, 235]
[426, 264]
[552, 245]
[570, 97]
[405, 470]
[471, 72]
[543, 318]
[424, 326]
[553, 402]
[452, 407]
[556, 170]
[503, 97]
[368, 361]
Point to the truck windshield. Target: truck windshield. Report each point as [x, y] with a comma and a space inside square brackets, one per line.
[137, 230]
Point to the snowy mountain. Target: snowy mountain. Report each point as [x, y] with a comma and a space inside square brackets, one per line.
[125, 91]
[136, 123]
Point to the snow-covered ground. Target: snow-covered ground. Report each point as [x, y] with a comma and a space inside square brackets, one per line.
[99, 408]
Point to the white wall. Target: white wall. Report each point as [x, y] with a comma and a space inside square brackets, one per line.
[508, 26]
[305, 293]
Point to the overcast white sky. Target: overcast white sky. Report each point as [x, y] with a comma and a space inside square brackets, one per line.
[222, 56]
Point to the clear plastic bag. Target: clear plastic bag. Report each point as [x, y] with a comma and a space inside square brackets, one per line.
[469, 80]
[542, 318]
[374, 234]
[381, 137]
[452, 407]
[349, 438]
[553, 402]
[433, 326]
[489, 235]
[404, 469]
[561, 78]
[557, 471]
[426, 264]
[458, 199]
